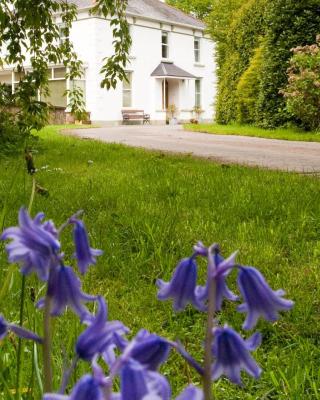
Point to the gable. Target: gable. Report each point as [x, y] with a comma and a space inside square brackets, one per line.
[153, 9]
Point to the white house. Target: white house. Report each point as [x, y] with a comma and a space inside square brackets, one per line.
[171, 63]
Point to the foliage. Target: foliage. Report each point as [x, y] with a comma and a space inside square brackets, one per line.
[289, 23]
[248, 89]
[76, 103]
[199, 8]
[302, 93]
[30, 42]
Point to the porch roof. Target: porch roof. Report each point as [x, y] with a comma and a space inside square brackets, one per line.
[170, 70]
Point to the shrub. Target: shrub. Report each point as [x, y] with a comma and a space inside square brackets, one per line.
[302, 92]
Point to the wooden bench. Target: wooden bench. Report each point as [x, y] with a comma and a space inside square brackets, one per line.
[135, 115]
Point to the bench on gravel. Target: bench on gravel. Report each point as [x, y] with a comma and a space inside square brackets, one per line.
[135, 115]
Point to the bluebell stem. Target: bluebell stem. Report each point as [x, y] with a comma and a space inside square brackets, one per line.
[100, 334]
[34, 245]
[259, 298]
[22, 333]
[85, 255]
[64, 289]
[182, 286]
[232, 354]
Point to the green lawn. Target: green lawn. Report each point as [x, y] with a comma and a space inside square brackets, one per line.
[146, 210]
[249, 130]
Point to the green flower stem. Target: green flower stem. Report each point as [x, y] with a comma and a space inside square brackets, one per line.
[47, 346]
[207, 382]
[22, 302]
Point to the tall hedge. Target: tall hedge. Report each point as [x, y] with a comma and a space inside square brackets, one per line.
[289, 23]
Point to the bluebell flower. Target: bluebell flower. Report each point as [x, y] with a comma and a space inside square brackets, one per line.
[137, 383]
[182, 286]
[85, 255]
[259, 298]
[232, 354]
[87, 388]
[218, 269]
[150, 350]
[64, 289]
[100, 334]
[22, 333]
[191, 393]
[34, 245]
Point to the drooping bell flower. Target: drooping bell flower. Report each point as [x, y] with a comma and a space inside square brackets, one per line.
[232, 354]
[34, 245]
[100, 334]
[259, 299]
[182, 286]
[137, 383]
[191, 393]
[150, 350]
[22, 333]
[218, 269]
[84, 254]
[64, 290]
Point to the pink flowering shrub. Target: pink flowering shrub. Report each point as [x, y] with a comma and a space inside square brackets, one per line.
[302, 92]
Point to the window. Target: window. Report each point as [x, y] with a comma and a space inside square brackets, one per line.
[197, 49]
[64, 33]
[165, 44]
[127, 91]
[57, 87]
[197, 93]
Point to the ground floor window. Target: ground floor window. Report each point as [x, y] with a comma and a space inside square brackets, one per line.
[197, 102]
[127, 90]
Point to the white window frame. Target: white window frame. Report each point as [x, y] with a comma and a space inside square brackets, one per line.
[165, 48]
[127, 90]
[197, 50]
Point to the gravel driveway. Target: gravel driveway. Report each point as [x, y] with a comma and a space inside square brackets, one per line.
[268, 153]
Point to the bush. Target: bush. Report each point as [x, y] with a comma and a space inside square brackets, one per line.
[248, 89]
[302, 93]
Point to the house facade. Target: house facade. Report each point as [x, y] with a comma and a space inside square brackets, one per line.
[171, 65]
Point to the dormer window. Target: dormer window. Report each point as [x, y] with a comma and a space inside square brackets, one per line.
[165, 44]
[197, 49]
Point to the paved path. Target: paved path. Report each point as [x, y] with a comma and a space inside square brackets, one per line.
[268, 153]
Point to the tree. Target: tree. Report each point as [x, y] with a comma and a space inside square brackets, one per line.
[200, 8]
[30, 35]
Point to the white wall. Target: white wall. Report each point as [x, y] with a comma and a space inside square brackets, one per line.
[92, 39]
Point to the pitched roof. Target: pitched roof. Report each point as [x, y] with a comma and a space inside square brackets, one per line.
[171, 70]
[154, 9]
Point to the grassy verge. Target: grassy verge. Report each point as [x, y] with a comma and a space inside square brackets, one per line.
[249, 130]
[146, 210]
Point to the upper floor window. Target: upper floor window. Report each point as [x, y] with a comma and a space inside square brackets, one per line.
[127, 90]
[64, 33]
[197, 93]
[197, 49]
[165, 44]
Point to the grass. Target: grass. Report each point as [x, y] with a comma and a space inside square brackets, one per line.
[294, 134]
[146, 210]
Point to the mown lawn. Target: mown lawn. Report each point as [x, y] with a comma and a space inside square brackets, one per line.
[146, 210]
[294, 134]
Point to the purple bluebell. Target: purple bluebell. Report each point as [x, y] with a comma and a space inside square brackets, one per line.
[137, 383]
[259, 298]
[100, 335]
[85, 255]
[34, 245]
[87, 388]
[150, 350]
[191, 393]
[218, 269]
[182, 286]
[5, 327]
[64, 289]
[232, 354]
